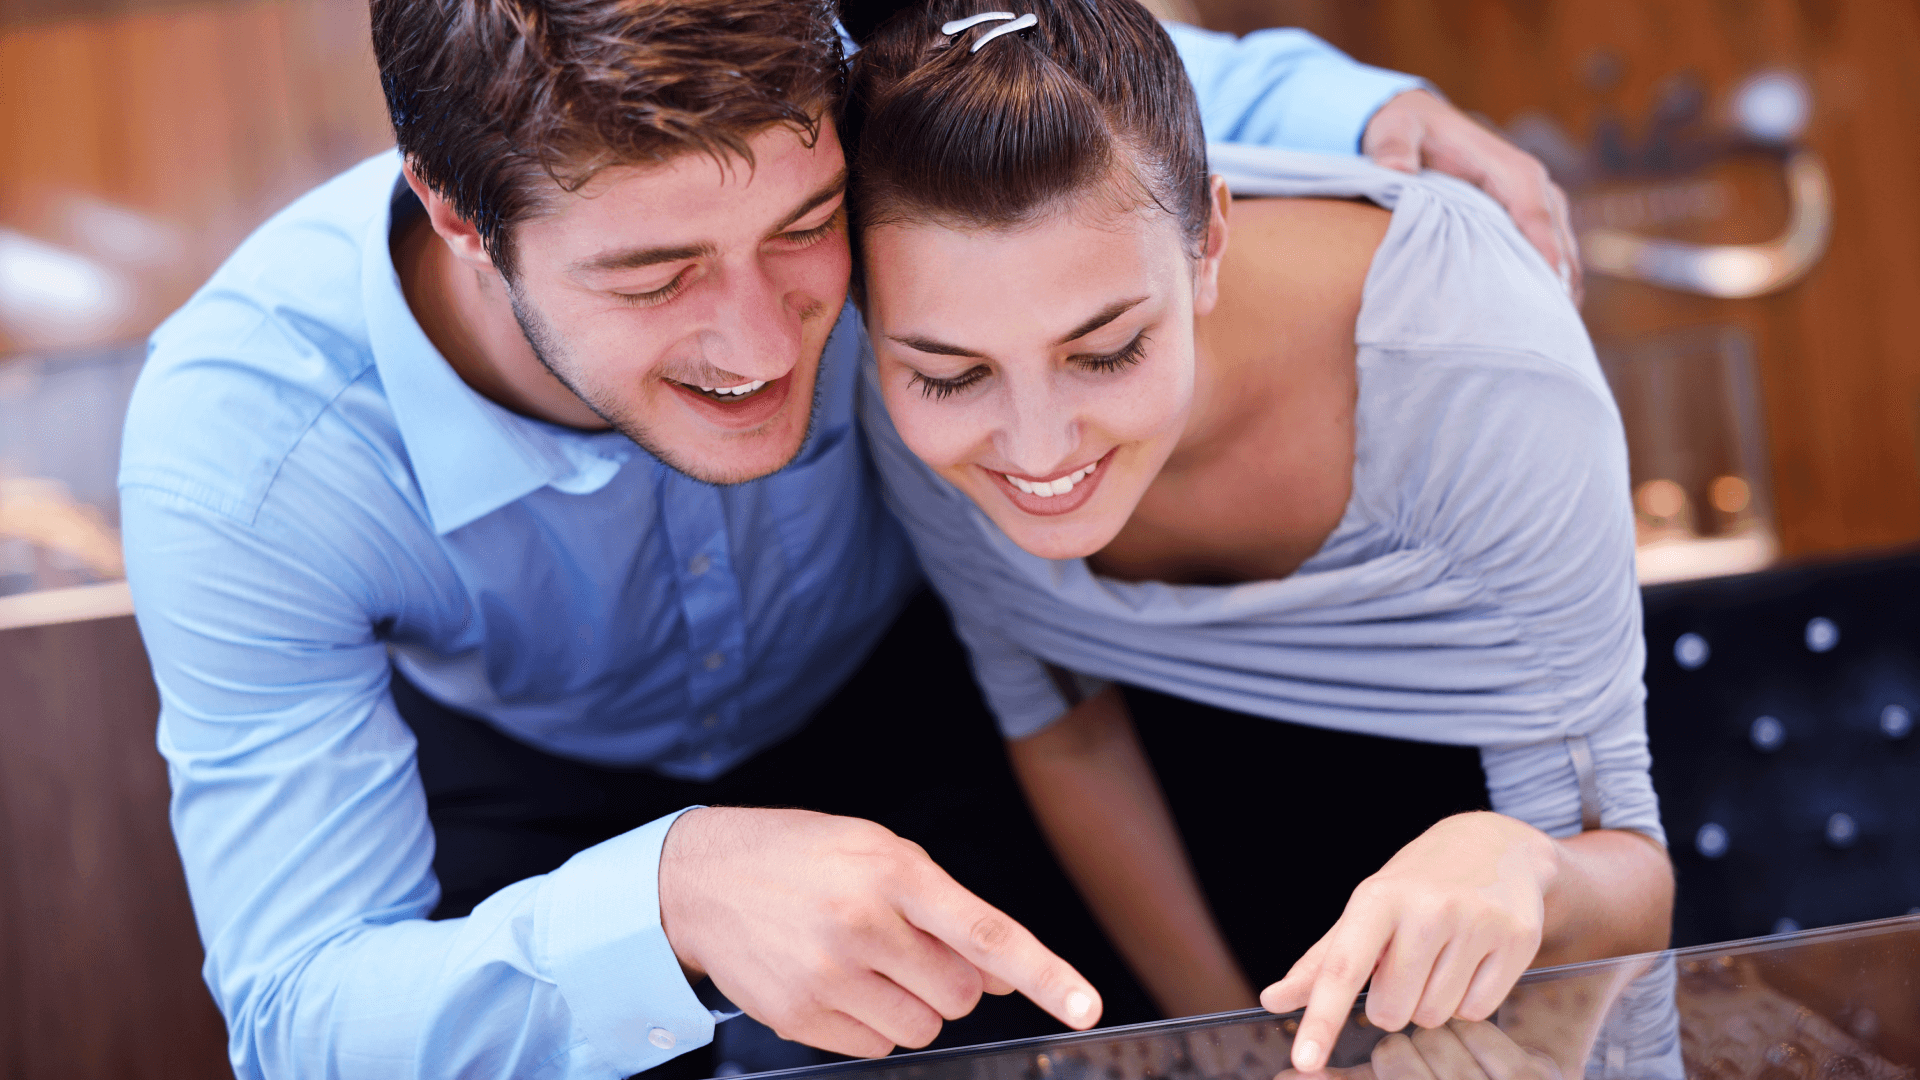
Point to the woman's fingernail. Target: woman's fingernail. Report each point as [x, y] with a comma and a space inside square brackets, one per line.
[1078, 1005]
[1306, 1054]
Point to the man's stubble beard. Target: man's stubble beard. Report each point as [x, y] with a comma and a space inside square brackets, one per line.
[546, 346]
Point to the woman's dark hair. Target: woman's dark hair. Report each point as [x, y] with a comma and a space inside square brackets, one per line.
[1091, 97]
[494, 101]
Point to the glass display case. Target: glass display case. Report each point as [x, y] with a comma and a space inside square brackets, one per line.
[1702, 498]
[1835, 1004]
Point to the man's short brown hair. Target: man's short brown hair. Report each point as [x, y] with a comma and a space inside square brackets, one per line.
[496, 101]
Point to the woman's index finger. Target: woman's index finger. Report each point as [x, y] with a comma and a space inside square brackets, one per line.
[1354, 946]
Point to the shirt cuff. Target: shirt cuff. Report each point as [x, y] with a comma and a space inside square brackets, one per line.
[607, 952]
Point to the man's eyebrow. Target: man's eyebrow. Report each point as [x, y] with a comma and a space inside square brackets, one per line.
[940, 348]
[635, 258]
[827, 191]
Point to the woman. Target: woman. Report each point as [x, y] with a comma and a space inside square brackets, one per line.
[1362, 475]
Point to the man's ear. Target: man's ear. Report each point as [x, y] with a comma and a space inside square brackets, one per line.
[1206, 273]
[460, 235]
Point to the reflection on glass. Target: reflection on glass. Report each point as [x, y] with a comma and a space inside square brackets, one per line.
[1835, 1004]
[1695, 453]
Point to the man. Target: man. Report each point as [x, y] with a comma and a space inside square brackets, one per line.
[501, 499]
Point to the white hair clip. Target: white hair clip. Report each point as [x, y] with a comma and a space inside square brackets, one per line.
[959, 25]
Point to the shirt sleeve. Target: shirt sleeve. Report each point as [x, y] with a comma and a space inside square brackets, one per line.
[1026, 694]
[303, 828]
[1523, 482]
[1563, 564]
[1283, 88]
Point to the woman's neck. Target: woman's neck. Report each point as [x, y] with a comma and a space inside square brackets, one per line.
[1232, 389]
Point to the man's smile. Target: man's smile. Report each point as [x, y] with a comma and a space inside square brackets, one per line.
[739, 407]
[729, 393]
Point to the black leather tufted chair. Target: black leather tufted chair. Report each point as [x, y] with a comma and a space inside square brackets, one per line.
[1782, 707]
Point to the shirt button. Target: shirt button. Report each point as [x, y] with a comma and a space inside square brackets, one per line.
[698, 565]
[711, 720]
[714, 660]
[661, 1038]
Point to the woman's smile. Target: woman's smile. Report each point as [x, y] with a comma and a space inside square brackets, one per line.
[1062, 493]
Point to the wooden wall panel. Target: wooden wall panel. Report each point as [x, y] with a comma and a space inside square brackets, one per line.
[207, 117]
[99, 959]
[202, 120]
[1838, 354]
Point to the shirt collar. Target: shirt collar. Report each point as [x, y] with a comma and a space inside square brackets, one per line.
[470, 456]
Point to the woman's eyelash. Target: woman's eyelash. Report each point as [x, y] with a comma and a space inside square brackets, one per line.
[1127, 356]
[940, 389]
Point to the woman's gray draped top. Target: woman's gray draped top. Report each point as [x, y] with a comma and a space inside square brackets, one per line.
[1479, 589]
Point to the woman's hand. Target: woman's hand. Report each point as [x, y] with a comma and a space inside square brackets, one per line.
[1416, 130]
[1458, 1050]
[1443, 930]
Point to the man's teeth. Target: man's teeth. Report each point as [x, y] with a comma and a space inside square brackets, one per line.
[1047, 489]
[735, 391]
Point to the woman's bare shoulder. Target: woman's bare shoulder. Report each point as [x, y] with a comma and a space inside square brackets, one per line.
[1342, 222]
[1295, 266]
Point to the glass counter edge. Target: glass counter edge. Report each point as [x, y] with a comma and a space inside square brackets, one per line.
[1736, 947]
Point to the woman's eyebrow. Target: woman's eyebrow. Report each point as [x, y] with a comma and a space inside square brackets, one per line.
[937, 348]
[940, 348]
[1106, 315]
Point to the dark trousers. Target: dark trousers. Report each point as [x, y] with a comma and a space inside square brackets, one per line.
[1278, 833]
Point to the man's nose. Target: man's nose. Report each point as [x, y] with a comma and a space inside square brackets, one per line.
[756, 327]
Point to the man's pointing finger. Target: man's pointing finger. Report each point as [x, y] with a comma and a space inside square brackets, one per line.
[1002, 949]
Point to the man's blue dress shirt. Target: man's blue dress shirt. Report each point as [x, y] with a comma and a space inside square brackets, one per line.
[310, 494]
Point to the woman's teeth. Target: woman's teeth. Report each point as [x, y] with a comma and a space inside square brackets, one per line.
[1047, 489]
[735, 391]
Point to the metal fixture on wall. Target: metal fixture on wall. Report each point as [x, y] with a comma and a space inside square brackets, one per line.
[1727, 271]
[1765, 116]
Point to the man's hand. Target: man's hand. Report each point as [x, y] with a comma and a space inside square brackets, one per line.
[1416, 130]
[838, 934]
[1443, 930]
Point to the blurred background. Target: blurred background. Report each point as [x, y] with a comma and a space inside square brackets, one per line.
[1742, 175]
[1739, 172]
